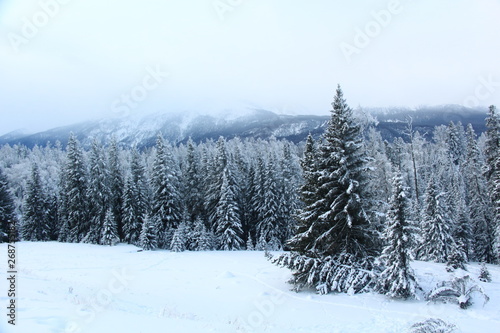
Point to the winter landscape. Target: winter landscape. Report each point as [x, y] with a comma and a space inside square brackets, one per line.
[239, 185]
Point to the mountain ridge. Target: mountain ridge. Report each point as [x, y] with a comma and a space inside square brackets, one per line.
[257, 123]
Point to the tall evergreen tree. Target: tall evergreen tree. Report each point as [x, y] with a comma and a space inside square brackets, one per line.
[116, 185]
[336, 222]
[335, 244]
[148, 238]
[135, 201]
[398, 279]
[35, 226]
[75, 193]
[214, 188]
[98, 193]
[194, 194]
[437, 239]
[227, 216]
[167, 204]
[109, 234]
[492, 144]
[478, 201]
[8, 219]
[272, 228]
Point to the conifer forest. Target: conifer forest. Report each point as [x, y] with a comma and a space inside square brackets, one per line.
[349, 209]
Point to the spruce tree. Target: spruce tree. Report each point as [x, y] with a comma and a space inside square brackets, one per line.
[335, 244]
[336, 222]
[98, 193]
[272, 228]
[109, 235]
[135, 199]
[194, 194]
[437, 242]
[309, 171]
[227, 216]
[35, 226]
[148, 238]
[179, 239]
[398, 279]
[7, 212]
[167, 204]
[116, 185]
[75, 193]
[492, 144]
[478, 201]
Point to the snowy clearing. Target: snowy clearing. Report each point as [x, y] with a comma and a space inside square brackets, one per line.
[90, 288]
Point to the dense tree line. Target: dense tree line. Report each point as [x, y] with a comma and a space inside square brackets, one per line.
[339, 202]
[227, 195]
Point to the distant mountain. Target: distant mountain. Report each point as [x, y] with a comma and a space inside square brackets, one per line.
[258, 123]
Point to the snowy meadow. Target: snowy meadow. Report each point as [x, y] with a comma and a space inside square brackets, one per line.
[91, 288]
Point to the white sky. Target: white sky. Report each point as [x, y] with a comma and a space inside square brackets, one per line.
[281, 55]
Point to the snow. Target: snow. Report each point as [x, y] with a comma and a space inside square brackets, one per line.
[91, 288]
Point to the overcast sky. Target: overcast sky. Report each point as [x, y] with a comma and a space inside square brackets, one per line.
[73, 60]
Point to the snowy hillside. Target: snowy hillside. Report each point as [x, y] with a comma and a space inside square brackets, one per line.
[90, 288]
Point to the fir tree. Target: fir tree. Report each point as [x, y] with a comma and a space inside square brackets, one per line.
[478, 201]
[272, 226]
[227, 216]
[214, 186]
[194, 194]
[309, 169]
[116, 184]
[7, 212]
[148, 236]
[335, 243]
[336, 222]
[437, 241]
[75, 193]
[250, 246]
[492, 144]
[398, 279]
[135, 200]
[98, 193]
[167, 204]
[109, 234]
[179, 239]
[35, 226]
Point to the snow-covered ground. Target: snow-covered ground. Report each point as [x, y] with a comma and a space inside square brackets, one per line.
[90, 288]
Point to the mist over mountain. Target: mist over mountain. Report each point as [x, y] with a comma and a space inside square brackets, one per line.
[256, 123]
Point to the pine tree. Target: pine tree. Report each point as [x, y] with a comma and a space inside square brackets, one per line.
[478, 201]
[492, 144]
[179, 239]
[272, 227]
[309, 171]
[250, 246]
[214, 186]
[98, 193]
[135, 199]
[336, 221]
[167, 204]
[194, 194]
[35, 226]
[335, 244]
[148, 236]
[109, 234]
[52, 215]
[227, 216]
[75, 192]
[398, 279]
[7, 212]
[437, 241]
[116, 185]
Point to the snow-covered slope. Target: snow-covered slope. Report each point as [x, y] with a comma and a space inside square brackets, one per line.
[98, 289]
